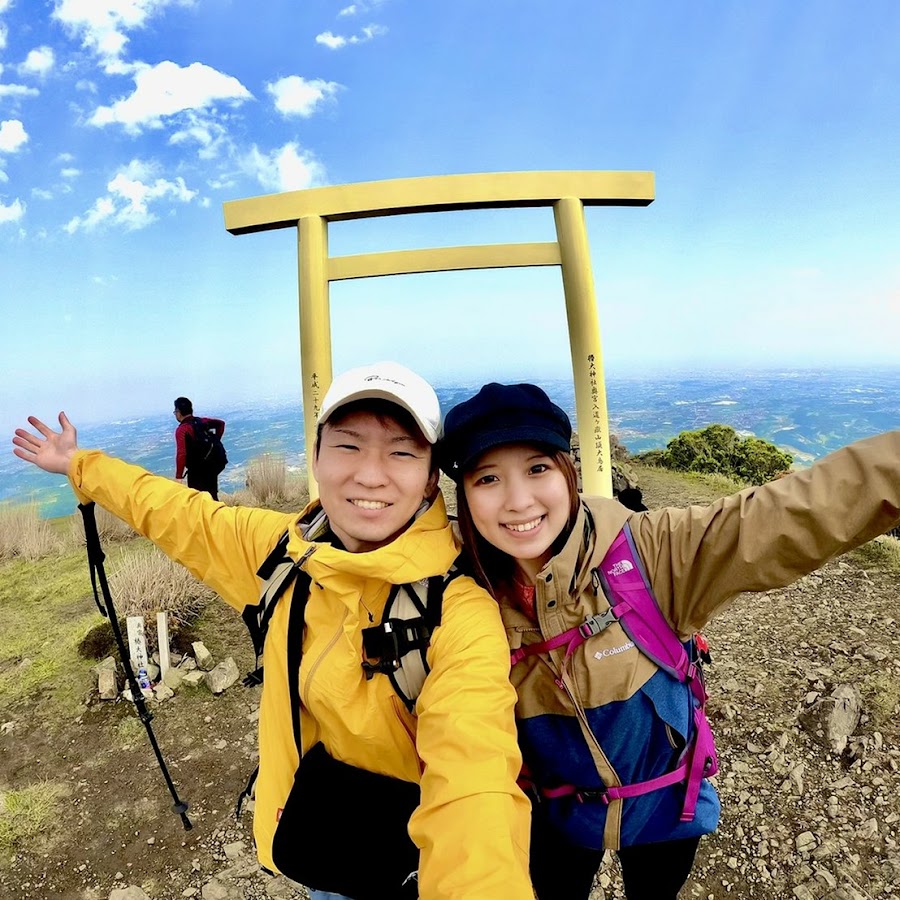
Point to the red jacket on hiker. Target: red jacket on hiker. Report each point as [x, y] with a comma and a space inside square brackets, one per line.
[185, 432]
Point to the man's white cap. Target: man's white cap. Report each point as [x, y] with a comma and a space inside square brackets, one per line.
[387, 381]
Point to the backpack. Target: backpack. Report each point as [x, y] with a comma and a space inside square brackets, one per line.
[632, 604]
[207, 452]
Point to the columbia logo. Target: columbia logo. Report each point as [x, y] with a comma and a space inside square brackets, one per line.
[619, 568]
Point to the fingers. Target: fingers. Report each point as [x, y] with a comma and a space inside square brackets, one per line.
[35, 422]
[65, 423]
[26, 440]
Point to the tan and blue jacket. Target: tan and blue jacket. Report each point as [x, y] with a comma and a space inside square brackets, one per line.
[610, 716]
[472, 826]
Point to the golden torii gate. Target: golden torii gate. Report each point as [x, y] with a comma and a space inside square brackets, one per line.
[568, 193]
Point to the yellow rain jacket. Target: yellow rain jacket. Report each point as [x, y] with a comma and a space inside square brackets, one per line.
[472, 826]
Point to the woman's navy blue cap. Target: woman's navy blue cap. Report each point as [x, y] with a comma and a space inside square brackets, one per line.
[501, 414]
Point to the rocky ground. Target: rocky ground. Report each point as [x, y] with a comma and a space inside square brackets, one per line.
[800, 818]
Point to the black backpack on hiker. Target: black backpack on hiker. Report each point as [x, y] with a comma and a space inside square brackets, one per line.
[205, 452]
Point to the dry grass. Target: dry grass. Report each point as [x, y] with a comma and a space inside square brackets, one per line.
[25, 534]
[111, 528]
[271, 486]
[267, 478]
[147, 581]
[240, 497]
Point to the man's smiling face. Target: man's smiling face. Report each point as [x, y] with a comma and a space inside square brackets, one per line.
[373, 474]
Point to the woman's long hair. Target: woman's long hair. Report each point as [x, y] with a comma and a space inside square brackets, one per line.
[492, 568]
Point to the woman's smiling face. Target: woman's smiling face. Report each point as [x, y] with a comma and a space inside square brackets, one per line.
[519, 501]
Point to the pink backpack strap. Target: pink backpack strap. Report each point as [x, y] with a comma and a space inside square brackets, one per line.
[624, 582]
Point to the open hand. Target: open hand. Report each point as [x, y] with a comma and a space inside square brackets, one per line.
[52, 451]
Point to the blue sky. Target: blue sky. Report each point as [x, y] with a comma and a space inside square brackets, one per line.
[772, 128]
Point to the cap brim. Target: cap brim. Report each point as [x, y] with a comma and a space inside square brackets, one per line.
[428, 430]
[512, 434]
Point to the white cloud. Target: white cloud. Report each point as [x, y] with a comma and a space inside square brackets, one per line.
[11, 213]
[208, 134]
[130, 194]
[99, 212]
[332, 41]
[38, 62]
[369, 32]
[336, 41]
[12, 135]
[65, 157]
[5, 5]
[363, 6]
[42, 194]
[3, 32]
[167, 89]
[295, 96]
[70, 172]
[289, 168]
[17, 90]
[102, 24]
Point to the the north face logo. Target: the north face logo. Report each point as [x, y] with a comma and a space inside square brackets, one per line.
[620, 568]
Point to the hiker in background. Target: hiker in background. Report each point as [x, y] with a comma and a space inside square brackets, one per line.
[195, 452]
[615, 743]
[370, 774]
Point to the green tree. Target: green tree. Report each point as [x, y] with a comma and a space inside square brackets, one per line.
[718, 449]
[758, 461]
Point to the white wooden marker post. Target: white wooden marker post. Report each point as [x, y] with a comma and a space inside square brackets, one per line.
[137, 644]
[162, 633]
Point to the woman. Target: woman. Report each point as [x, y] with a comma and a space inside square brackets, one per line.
[608, 735]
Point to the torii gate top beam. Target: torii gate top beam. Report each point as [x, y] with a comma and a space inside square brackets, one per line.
[401, 196]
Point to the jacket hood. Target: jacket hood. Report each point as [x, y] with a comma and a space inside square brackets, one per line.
[426, 548]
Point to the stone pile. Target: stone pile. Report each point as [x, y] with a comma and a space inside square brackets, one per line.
[191, 670]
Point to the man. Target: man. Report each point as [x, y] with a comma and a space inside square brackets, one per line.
[380, 521]
[190, 447]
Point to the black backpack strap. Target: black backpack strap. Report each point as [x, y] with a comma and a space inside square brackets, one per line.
[302, 584]
[277, 572]
[246, 793]
[300, 598]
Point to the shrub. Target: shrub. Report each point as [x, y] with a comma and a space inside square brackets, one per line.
[24, 533]
[718, 449]
[656, 458]
[758, 461]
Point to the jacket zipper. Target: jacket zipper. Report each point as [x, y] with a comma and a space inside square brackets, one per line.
[322, 655]
[585, 727]
[396, 705]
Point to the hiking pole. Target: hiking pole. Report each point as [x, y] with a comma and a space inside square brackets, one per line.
[95, 562]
